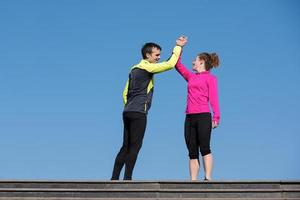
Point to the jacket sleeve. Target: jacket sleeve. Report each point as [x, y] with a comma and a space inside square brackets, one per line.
[163, 66]
[125, 92]
[183, 71]
[213, 99]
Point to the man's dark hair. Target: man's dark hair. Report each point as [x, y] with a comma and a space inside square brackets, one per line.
[147, 48]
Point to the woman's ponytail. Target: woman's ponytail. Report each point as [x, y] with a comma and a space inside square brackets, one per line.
[214, 60]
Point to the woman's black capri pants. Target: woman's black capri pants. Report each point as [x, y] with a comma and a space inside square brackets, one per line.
[197, 134]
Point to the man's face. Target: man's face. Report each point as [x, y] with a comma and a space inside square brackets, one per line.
[154, 56]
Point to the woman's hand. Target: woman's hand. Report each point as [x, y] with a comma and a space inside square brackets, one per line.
[181, 41]
[214, 124]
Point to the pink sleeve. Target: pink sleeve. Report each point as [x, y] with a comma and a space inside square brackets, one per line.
[185, 73]
[213, 99]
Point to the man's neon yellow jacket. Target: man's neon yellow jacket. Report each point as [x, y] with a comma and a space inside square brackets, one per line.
[138, 92]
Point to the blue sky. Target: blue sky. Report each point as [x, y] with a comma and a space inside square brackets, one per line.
[63, 66]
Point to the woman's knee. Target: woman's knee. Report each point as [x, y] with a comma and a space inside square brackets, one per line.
[193, 154]
[205, 151]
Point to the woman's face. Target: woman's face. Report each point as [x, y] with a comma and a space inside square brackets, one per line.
[198, 64]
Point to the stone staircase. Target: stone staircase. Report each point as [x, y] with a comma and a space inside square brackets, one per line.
[149, 190]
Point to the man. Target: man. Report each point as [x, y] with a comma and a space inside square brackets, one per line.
[137, 98]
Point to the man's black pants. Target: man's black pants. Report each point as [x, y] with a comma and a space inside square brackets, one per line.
[134, 131]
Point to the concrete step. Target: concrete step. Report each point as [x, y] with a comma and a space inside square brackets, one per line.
[72, 190]
[151, 184]
[70, 198]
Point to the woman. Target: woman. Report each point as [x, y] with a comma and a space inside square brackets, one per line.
[202, 91]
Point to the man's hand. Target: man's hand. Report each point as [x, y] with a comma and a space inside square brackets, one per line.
[181, 41]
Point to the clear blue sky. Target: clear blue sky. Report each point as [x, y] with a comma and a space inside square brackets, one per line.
[64, 63]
